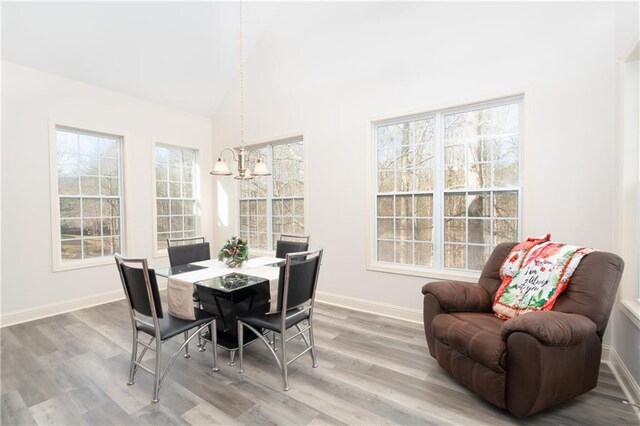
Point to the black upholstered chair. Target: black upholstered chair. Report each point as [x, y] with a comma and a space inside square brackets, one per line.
[296, 295]
[145, 308]
[290, 243]
[187, 250]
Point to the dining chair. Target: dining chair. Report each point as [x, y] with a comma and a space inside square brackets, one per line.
[187, 250]
[291, 243]
[296, 296]
[145, 309]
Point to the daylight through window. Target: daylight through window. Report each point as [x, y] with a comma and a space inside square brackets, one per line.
[448, 186]
[89, 194]
[176, 193]
[272, 205]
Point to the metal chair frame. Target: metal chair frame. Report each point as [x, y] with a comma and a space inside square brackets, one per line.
[136, 360]
[283, 363]
[171, 242]
[296, 237]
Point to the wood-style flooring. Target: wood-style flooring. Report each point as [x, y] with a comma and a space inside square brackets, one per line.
[72, 369]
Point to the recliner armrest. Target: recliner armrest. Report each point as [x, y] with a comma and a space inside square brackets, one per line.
[551, 328]
[456, 296]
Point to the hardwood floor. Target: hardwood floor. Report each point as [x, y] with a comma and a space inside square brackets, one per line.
[72, 369]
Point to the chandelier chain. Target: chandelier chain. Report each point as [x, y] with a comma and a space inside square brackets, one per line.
[241, 82]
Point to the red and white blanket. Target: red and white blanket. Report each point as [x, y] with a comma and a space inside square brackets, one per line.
[534, 274]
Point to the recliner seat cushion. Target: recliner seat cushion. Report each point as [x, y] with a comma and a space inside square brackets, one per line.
[475, 335]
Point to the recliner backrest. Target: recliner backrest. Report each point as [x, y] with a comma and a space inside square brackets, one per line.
[592, 288]
[490, 276]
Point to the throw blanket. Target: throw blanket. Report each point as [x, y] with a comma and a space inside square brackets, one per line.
[534, 274]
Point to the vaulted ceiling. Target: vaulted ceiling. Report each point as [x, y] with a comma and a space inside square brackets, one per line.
[181, 54]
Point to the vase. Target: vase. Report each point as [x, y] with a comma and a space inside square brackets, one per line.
[234, 263]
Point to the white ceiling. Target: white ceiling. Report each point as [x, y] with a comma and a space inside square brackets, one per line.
[182, 54]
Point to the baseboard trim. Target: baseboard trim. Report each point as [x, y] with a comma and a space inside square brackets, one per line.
[30, 314]
[369, 306]
[628, 384]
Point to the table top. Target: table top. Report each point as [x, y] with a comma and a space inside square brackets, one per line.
[226, 283]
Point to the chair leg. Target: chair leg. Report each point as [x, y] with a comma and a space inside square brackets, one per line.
[232, 357]
[134, 355]
[314, 356]
[285, 367]
[186, 348]
[214, 341]
[201, 344]
[156, 375]
[240, 345]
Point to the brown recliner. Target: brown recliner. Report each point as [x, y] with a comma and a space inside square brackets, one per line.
[533, 361]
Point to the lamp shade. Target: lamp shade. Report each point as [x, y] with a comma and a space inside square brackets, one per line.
[221, 168]
[261, 168]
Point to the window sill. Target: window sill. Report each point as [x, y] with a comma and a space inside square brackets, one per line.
[631, 309]
[81, 264]
[465, 276]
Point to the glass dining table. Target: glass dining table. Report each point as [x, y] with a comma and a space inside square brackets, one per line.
[227, 297]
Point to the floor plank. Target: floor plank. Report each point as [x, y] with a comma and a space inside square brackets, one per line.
[72, 369]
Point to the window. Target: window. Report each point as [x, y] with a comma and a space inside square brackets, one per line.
[448, 186]
[176, 193]
[272, 205]
[88, 197]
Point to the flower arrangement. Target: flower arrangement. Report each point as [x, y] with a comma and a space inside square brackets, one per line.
[234, 252]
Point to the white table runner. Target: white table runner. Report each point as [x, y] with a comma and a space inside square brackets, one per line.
[180, 286]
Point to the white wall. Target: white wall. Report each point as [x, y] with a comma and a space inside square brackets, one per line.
[29, 99]
[327, 69]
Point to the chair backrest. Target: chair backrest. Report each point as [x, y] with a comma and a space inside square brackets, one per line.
[183, 254]
[289, 243]
[299, 278]
[591, 291]
[592, 288]
[140, 287]
[184, 241]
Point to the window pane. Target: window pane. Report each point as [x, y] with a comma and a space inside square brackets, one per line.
[404, 206]
[69, 207]
[70, 228]
[404, 252]
[424, 205]
[92, 247]
[455, 230]
[91, 207]
[505, 204]
[423, 254]
[480, 231]
[505, 231]
[454, 256]
[424, 230]
[454, 205]
[71, 249]
[68, 185]
[385, 251]
[111, 226]
[90, 185]
[478, 256]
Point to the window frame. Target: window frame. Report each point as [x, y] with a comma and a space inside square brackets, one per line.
[629, 215]
[295, 138]
[438, 270]
[154, 199]
[57, 264]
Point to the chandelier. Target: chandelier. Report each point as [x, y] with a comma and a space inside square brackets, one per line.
[241, 155]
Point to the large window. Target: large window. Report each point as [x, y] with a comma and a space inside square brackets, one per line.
[176, 193]
[273, 205]
[448, 185]
[88, 197]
